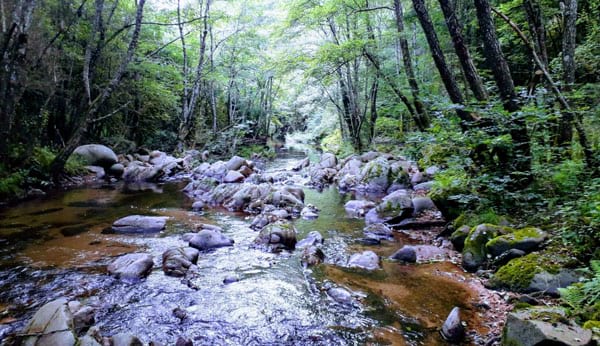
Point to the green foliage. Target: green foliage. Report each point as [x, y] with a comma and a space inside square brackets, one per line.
[334, 143]
[11, 185]
[579, 221]
[583, 298]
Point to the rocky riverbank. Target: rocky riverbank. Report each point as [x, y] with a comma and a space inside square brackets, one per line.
[404, 237]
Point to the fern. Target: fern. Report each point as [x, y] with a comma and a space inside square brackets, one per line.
[583, 297]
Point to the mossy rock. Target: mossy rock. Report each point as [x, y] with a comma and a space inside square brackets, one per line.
[475, 250]
[525, 239]
[459, 236]
[518, 274]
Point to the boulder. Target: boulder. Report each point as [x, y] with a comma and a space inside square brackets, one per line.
[140, 224]
[549, 283]
[328, 160]
[52, 324]
[475, 251]
[422, 204]
[217, 170]
[358, 208]
[372, 217]
[459, 236]
[397, 206]
[236, 163]
[177, 261]
[453, 330]
[210, 239]
[426, 186]
[366, 260]
[526, 239]
[138, 172]
[134, 266]
[198, 206]
[379, 231]
[543, 326]
[83, 316]
[277, 236]
[313, 238]
[116, 170]
[96, 155]
[369, 156]
[375, 175]
[309, 212]
[233, 177]
[406, 254]
[505, 257]
[340, 295]
[312, 256]
[245, 171]
[302, 164]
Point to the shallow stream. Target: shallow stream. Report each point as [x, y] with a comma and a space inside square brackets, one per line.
[56, 247]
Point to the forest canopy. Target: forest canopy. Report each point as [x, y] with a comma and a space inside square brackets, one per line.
[503, 95]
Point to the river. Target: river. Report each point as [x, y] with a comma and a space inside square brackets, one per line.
[58, 247]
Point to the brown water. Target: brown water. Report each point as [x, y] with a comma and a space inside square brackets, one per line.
[56, 247]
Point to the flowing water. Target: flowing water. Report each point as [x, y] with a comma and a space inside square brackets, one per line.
[56, 247]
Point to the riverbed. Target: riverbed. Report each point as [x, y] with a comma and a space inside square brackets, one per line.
[59, 246]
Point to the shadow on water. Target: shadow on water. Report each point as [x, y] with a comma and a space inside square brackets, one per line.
[56, 247]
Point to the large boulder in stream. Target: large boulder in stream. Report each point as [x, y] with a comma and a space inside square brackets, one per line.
[96, 155]
[277, 236]
[140, 224]
[52, 324]
[367, 260]
[131, 267]
[210, 239]
[177, 261]
[543, 326]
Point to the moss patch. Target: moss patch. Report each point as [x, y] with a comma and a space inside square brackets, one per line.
[592, 325]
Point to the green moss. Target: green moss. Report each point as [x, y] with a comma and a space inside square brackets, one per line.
[592, 325]
[518, 273]
[512, 238]
[521, 305]
[479, 236]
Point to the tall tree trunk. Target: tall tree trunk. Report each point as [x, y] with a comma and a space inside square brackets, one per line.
[58, 164]
[421, 112]
[462, 51]
[521, 160]
[537, 29]
[440, 60]
[13, 62]
[194, 92]
[565, 127]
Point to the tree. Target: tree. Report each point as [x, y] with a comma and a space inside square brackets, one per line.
[57, 165]
[520, 163]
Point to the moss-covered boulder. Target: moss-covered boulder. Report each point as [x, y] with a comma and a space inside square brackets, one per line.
[535, 272]
[459, 236]
[397, 203]
[376, 176]
[525, 239]
[475, 251]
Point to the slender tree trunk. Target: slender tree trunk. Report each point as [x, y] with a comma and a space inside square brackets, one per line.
[13, 62]
[565, 127]
[58, 164]
[521, 160]
[440, 60]
[421, 112]
[194, 91]
[537, 29]
[462, 51]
